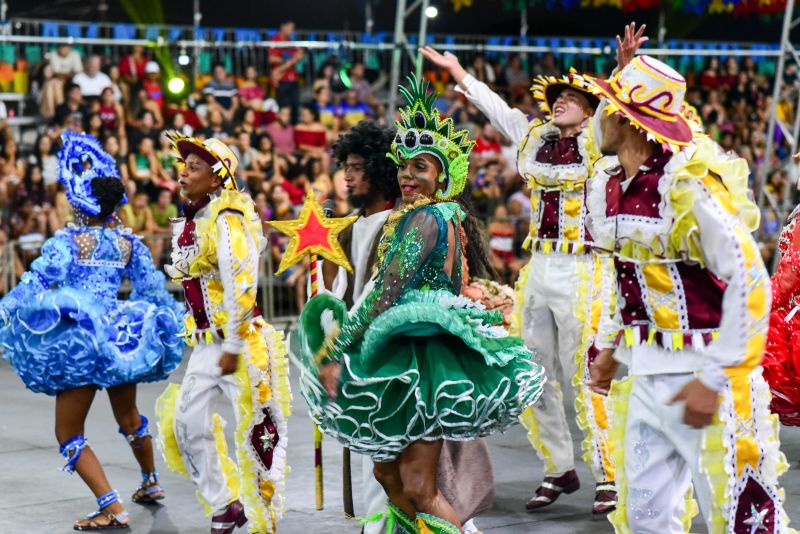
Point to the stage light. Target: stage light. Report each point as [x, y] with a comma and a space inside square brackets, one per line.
[431, 12]
[176, 85]
[183, 58]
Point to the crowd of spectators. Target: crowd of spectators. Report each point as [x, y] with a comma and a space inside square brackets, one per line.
[281, 122]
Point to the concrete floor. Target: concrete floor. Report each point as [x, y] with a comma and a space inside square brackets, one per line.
[35, 497]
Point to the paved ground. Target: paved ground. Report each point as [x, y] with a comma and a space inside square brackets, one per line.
[36, 498]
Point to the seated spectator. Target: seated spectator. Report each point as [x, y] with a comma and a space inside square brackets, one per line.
[47, 161]
[311, 137]
[111, 113]
[248, 170]
[295, 183]
[450, 104]
[136, 215]
[251, 94]
[710, 78]
[65, 61]
[220, 92]
[152, 83]
[139, 103]
[28, 227]
[481, 70]
[501, 246]
[162, 210]
[262, 207]
[167, 159]
[94, 125]
[281, 131]
[339, 195]
[8, 262]
[516, 79]
[73, 107]
[248, 124]
[62, 213]
[216, 126]
[360, 84]
[132, 66]
[12, 166]
[321, 181]
[118, 87]
[323, 78]
[92, 81]
[113, 146]
[49, 91]
[487, 147]
[143, 166]
[145, 126]
[265, 159]
[33, 185]
[486, 192]
[325, 108]
[179, 124]
[352, 110]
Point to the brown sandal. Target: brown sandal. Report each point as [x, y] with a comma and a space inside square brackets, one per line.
[115, 522]
[148, 493]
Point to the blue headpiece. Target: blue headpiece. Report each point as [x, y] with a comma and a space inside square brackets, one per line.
[81, 160]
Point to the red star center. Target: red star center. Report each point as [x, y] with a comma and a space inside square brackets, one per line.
[313, 233]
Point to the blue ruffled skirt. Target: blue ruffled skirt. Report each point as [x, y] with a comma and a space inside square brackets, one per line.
[65, 339]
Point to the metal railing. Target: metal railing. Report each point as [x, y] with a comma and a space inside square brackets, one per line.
[275, 298]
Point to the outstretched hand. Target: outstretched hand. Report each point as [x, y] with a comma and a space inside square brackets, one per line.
[446, 61]
[627, 47]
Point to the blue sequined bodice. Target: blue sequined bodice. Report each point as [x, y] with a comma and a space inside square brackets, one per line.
[101, 258]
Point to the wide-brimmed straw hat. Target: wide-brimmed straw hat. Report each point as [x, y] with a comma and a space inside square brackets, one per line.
[649, 93]
[213, 151]
[546, 89]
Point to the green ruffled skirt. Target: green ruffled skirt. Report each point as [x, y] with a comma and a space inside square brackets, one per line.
[434, 366]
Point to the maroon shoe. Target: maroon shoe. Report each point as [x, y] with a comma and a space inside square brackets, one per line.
[605, 498]
[551, 488]
[232, 517]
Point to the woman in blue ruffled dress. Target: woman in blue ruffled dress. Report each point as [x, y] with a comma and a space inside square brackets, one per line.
[66, 334]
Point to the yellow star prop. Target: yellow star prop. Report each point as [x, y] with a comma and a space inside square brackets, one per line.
[313, 233]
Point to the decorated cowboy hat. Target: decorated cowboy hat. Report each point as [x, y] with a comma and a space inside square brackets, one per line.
[213, 151]
[546, 89]
[649, 93]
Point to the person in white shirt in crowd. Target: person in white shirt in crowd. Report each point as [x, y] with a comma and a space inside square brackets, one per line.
[65, 61]
[92, 81]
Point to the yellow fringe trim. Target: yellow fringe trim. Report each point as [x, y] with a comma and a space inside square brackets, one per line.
[528, 420]
[590, 407]
[168, 443]
[618, 408]
[515, 328]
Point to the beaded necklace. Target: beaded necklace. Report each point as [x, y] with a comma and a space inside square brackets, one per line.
[391, 226]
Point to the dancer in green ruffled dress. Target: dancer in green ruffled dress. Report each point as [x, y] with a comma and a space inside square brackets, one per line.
[416, 363]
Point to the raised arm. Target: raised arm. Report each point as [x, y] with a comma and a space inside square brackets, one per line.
[511, 122]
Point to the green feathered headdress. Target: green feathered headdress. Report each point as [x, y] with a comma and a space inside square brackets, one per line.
[422, 130]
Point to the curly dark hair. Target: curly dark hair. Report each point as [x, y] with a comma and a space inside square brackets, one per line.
[109, 193]
[371, 141]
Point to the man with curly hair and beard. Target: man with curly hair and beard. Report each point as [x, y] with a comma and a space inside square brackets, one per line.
[372, 190]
